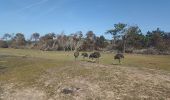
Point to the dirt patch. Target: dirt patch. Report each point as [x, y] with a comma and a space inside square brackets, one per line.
[78, 90]
[9, 92]
[91, 81]
[106, 82]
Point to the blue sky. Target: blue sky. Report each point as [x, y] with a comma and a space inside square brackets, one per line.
[45, 16]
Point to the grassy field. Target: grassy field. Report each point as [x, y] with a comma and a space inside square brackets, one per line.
[47, 70]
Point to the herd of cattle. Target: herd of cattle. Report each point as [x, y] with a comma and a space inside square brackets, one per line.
[97, 55]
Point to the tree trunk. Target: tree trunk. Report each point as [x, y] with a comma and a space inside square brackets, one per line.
[114, 39]
[71, 47]
[124, 44]
[64, 49]
[54, 44]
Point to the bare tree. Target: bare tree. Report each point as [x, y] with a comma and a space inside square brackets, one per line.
[90, 39]
[62, 40]
[77, 39]
[46, 41]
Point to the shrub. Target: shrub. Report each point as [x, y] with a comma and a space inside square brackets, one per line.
[3, 44]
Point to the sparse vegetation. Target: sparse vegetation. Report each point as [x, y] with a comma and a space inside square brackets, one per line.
[50, 74]
[84, 50]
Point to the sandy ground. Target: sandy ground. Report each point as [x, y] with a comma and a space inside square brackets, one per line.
[112, 82]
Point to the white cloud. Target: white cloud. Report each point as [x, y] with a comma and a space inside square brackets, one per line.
[33, 5]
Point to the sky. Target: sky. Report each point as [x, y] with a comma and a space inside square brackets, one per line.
[44, 16]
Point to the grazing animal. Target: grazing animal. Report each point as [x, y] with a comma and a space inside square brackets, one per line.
[119, 56]
[84, 55]
[95, 55]
[76, 54]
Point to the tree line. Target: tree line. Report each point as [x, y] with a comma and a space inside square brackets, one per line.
[126, 38]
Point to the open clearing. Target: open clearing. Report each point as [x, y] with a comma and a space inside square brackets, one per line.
[38, 75]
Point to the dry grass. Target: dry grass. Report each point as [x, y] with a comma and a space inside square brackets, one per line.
[32, 74]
